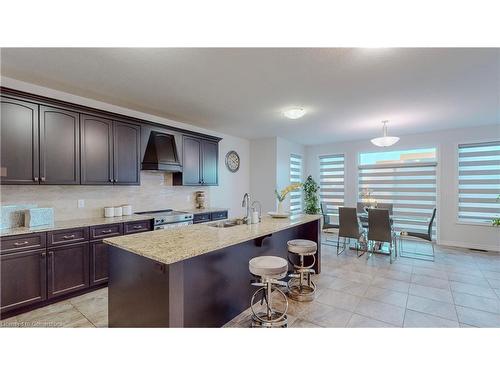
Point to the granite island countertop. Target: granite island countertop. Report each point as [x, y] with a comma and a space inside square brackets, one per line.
[73, 223]
[177, 244]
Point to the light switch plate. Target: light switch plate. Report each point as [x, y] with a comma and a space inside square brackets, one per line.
[81, 203]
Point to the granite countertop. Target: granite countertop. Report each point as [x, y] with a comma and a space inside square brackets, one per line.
[74, 223]
[177, 244]
[203, 210]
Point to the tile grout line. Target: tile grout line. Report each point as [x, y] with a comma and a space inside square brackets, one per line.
[85, 316]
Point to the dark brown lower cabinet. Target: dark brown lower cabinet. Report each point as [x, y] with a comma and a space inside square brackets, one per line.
[98, 263]
[67, 269]
[23, 279]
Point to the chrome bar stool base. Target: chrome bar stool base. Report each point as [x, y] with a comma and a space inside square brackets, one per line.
[301, 287]
[269, 270]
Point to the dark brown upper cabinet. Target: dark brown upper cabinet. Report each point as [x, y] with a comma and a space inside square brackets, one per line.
[96, 150]
[126, 153]
[19, 142]
[48, 141]
[110, 152]
[59, 146]
[199, 162]
[191, 161]
[210, 155]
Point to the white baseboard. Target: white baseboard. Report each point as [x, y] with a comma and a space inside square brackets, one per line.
[469, 245]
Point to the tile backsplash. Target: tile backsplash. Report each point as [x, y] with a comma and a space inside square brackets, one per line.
[156, 192]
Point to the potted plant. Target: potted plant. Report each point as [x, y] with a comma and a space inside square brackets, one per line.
[280, 196]
[311, 188]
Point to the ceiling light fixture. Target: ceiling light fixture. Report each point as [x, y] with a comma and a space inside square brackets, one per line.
[384, 141]
[294, 113]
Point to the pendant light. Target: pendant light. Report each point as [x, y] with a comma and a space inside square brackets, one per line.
[384, 141]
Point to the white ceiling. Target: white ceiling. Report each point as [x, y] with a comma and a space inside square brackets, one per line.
[347, 92]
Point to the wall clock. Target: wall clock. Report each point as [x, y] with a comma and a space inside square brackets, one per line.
[232, 161]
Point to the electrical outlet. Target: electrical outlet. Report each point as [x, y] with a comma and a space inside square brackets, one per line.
[81, 203]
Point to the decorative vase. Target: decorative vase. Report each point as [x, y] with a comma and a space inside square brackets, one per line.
[280, 207]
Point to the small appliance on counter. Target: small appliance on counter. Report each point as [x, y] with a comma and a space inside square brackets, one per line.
[109, 211]
[168, 218]
[200, 199]
[127, 210]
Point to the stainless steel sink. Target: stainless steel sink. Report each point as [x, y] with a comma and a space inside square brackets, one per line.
[226, 223]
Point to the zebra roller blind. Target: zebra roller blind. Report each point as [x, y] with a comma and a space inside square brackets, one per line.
[331, 182]
[295, 177]
[406, 182]
[478, 182]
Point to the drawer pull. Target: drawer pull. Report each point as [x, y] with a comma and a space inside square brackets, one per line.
[21, 243]
[69, 237]
[107, 231]
[137, 227]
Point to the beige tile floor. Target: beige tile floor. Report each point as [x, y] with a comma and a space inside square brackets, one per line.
[459, 289]
[86, 311]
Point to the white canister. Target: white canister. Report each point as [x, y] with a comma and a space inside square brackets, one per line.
[109, 212]
[118, 211]
[127, 209]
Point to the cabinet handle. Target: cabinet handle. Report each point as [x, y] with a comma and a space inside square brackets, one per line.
[43, 178]
[115, 180]
[35, 179]
[110, 180]
[137, 227]
[69, 237]
[21, 243]
[107, 231]
[42, 255]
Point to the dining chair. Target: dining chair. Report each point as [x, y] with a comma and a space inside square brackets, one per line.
[386, 206]
[327, 224]
[426, 236]
[380, 230]
[349, 228]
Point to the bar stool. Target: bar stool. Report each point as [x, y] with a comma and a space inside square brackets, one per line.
[269, 270]
[300, 286]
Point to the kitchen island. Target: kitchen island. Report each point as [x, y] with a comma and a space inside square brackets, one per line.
[194, 276]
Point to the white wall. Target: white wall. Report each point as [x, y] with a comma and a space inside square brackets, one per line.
[449, 231]
[231, 187]
[271, 168]
[283, 150]
[263, 172]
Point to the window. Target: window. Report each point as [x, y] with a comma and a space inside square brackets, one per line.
[407, 179]
[296, 177]
[331, 182]
[478, 182]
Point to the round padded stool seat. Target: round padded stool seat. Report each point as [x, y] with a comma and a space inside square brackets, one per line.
[302, 247]
[268, 266]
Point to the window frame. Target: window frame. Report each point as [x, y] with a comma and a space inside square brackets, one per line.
[301, 157]
[438, 162]
[456, 172]
[333, 154]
